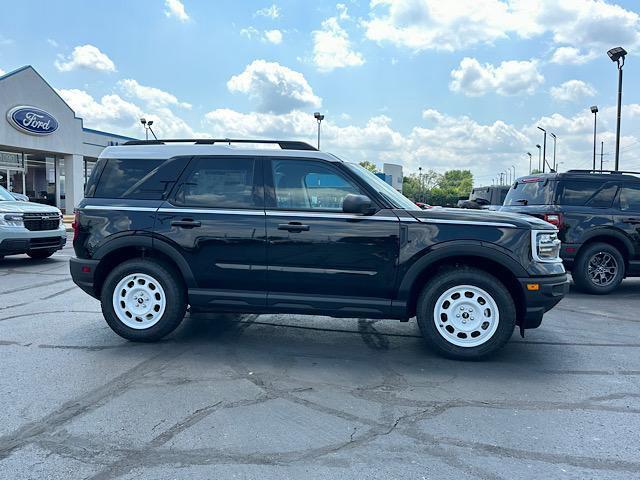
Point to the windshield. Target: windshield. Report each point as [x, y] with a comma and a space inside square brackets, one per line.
[394, 197]
[5, 196]
[531, 191]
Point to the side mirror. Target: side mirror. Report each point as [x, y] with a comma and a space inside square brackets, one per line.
[358, 204]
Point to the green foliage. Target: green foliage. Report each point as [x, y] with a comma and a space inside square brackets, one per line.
[369, 166]
[438, 189]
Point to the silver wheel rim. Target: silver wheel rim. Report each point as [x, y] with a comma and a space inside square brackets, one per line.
[139, 301]
[466, 316]
[602, 269]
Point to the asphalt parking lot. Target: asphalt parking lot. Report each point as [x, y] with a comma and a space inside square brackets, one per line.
[281, 396]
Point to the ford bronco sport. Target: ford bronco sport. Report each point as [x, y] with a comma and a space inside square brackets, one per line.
[172, 224]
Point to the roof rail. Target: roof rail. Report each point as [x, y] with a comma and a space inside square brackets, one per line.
[620, 172]
[284, 144]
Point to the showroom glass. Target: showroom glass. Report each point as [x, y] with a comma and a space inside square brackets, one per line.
[220, 183]
[630, 199]
[309, 185]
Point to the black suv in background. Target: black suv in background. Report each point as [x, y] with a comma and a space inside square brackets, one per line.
[598, 217]
[485, 198]
[201, 223]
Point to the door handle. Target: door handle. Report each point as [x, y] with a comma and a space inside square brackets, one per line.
[293, 227]
[186, 223]
[631, 220]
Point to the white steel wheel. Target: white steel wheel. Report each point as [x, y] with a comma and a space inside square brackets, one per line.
[139, 301]
[466, 316]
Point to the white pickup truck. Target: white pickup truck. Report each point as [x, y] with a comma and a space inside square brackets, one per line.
[30, 228]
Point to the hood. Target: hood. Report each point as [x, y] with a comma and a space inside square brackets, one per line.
[493, 218]
[25, 207]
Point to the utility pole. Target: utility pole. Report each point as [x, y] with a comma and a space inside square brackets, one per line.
[594, 110]
[617, 54]
[529, 153]
[544, 150]
[554, 151]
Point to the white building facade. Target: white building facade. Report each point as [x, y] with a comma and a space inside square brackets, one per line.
[45, 151]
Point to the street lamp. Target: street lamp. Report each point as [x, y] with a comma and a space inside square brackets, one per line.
[529, 153]
[147, 127]
[594, 110]
[554, 150]
[319, 118]
[616, 54]
[539, 158]
[544, 149]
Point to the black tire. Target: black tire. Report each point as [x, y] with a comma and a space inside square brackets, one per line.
[450, 278]
[174, 290]
[580, 272]
[40, 254]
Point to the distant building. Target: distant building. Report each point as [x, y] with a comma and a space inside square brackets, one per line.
[395, 173]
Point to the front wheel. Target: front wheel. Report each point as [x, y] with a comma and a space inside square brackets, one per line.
[143, 300]
[466, 314]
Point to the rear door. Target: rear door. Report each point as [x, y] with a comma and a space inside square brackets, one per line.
[319, 256]
[628, 216]
[216, 220]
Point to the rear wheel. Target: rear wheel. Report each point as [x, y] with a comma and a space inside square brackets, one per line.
[466, 313]
[40, 254]
[142, 300]
[599, 269]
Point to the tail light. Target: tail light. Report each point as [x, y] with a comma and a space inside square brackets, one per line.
[554, 219]
[76, 224]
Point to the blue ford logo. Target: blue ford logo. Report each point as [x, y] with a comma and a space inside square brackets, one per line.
[32, 120]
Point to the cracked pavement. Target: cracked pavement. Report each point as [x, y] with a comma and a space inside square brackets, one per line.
[289, 396]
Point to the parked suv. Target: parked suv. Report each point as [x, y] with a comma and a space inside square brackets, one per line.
[598, 217]
[30, 228]
[171, 224]
[485, 198]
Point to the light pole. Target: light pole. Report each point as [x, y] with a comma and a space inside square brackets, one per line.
[529, 153]
[616, 54]
[601, 155]
[319, 118]
[539, 158]
[554, 150]
[420, 196]
[594, 110]
[143, 121]
[513, 179]
[544, 149]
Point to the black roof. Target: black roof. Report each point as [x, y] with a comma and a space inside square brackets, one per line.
[604, 175]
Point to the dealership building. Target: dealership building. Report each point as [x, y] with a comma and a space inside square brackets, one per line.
[45, 151]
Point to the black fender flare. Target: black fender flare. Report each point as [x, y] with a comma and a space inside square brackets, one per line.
[150, 243]
[610, 232]
[459, 248]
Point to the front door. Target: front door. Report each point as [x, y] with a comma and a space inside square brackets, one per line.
[318, 256]
[216, 219]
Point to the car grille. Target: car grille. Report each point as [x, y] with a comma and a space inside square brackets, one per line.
[37, 222]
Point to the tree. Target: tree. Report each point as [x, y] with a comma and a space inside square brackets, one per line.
[369, 166]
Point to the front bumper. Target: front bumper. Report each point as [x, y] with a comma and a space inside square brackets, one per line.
[83, 273]
[16, 242]
[541, 294]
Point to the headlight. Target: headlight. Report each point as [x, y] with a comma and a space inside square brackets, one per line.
[11, 220]
[545, 246]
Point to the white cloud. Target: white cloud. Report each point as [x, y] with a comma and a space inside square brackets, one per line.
[509, 78]
[249, 32]
[175, 8]
[272, 12]
[152, 96]
[572, 91]
[438, 25]
[572, 56]
[85, 56]
[273, 36]
[276, 88]
[331, 45]
[52, 42]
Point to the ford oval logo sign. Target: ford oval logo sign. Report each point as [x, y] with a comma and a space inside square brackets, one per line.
[32, 120]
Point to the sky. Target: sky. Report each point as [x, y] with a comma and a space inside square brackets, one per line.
[435, 84]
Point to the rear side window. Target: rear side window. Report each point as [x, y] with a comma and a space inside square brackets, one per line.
[578, 193]
[630, 199]
[140, 179]
[222, 183]
[531, 192]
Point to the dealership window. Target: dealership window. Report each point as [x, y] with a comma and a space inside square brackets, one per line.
[40, 178]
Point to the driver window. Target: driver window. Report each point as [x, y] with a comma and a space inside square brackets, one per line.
[310, 185]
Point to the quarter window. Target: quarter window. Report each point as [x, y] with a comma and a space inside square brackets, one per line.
[221, 183]
[630, 199]
[310, 185]
[138, 178]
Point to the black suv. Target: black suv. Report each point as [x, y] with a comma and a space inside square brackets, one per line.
[598, 217]
[489, 198]
[201, 223]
